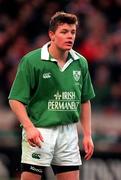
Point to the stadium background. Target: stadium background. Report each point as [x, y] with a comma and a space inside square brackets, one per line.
[23, 27]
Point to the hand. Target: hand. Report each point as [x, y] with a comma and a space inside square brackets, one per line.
[34, 137]
[88, 147]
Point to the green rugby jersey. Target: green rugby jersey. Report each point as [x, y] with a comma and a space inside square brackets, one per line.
[52, 95]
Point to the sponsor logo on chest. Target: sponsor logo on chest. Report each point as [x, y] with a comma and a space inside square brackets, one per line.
[64, 101]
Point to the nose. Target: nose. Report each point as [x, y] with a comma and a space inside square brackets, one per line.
[70, 35]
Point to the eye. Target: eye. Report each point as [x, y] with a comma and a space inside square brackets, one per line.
[63, 32]
[73, 32]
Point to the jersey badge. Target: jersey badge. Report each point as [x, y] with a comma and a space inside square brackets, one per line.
[76, 75]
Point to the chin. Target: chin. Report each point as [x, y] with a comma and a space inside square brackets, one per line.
[67, 48]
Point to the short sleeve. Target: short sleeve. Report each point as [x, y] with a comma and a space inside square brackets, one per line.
[87, 87]
[20, 89]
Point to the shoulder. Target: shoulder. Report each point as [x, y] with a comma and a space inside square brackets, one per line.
[32, 55]
[31, 59]
[82, 60]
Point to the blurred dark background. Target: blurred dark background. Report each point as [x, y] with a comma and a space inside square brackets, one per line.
[24, 27]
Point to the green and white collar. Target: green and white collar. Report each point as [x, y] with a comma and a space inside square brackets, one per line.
[46, 56]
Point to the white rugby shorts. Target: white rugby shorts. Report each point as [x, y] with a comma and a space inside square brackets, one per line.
[60, 147]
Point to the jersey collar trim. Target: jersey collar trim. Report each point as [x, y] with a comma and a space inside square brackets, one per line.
[46, 56]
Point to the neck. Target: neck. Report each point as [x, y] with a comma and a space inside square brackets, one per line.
[57, 53]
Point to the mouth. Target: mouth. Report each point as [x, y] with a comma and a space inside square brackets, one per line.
[69, 43]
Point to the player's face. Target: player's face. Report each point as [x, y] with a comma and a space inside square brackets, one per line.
[64, 36]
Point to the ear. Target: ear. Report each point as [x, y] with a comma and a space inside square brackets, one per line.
[51, 35]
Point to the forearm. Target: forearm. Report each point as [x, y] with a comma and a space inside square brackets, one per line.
[33, 135]
[86, 118]
[20, 111]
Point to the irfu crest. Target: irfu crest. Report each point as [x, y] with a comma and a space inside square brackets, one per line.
[76, 75]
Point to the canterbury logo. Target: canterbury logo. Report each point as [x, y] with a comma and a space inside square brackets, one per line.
[36, 156]
[47, 75]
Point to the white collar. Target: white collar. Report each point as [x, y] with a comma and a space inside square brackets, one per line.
[46, 56]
